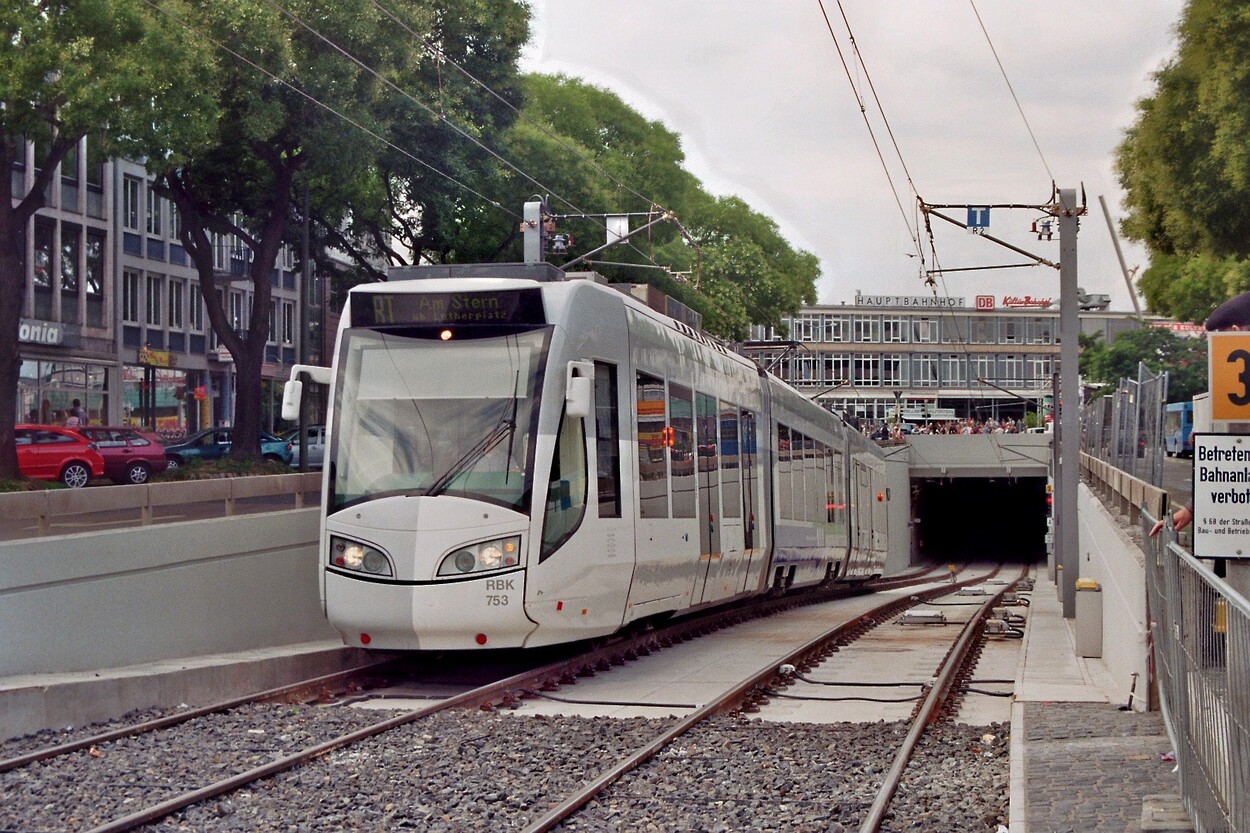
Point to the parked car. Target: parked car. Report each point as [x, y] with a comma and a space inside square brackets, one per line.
[214, 443]
[131, 455]
[316, 435]
[49, 452]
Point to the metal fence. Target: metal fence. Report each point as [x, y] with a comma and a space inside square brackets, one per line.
[1200, 629]
[1125, 427]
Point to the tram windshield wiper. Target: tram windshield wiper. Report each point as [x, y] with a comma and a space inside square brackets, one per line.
[484, 446]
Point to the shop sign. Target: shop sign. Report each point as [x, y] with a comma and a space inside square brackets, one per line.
[156, 358]
[49, 333]
[915, 301]
[1026, 302]
[221, 354]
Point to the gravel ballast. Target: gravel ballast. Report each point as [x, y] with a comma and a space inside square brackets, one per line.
[487, 771]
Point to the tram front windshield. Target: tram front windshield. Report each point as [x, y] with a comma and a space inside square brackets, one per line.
[416, 415]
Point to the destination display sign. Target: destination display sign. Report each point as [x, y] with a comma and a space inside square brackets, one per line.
[1221, 495]
[506, 306]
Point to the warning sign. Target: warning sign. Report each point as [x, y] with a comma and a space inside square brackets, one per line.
[1222, 495]
[1229, 369]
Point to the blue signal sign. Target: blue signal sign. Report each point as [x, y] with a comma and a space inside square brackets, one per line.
[978, 217]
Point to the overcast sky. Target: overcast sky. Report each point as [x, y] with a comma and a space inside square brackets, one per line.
[765, 111]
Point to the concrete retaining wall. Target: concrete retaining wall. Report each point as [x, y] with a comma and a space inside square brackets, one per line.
[120, 597]
[1110, 555]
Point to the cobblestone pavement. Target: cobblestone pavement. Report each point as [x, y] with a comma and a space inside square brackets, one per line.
[1088, 765]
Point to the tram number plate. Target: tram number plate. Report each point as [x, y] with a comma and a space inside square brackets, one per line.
[499, 599]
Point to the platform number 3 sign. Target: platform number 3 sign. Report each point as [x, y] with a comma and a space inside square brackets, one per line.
[1229, 370]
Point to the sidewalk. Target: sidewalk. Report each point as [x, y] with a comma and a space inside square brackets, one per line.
[1079, 764]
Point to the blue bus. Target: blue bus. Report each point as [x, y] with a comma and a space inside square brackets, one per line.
[1178, 429]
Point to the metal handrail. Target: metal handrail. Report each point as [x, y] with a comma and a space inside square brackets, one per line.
[1200, 631]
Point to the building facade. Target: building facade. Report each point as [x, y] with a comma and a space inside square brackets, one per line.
[113, 311]
[927, 358]
[66, 337]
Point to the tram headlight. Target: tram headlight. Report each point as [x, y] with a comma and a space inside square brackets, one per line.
[498, 554]
[359, 557]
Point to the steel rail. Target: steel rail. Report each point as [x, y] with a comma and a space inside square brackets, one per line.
[507, 691]
[154, 724]
[499, 690]
[813, 650]
[933, 701]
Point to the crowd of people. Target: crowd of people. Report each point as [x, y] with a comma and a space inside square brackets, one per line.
[882, 432]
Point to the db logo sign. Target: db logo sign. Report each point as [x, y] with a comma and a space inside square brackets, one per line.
[985, 302]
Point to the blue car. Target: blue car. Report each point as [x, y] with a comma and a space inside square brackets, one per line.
[214, 443]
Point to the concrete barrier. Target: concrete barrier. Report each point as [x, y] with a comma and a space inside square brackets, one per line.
[120, 597]
[1111, 555]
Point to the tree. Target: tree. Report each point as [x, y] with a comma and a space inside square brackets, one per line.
[111, 70]
[599, 156]
[301, 120]
[1185, 165]
[1184, 359]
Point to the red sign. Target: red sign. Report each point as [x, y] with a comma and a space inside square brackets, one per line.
[1181, 328]
[985, 302]
[1026, 302]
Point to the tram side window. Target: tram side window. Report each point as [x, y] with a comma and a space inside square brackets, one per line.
[798, 475]
[566, 490]
[836, 507]
[813, 461]
[748, 444]
[607, 441]
[785, 489]
[682, 450]
[652, 440]
[709, 444]
[730, 468]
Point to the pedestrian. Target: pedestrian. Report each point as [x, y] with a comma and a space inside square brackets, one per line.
[1233, 314]
[1181, 518]
[77, 416]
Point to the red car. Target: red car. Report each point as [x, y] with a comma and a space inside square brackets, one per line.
[49, 452]
[131, 455]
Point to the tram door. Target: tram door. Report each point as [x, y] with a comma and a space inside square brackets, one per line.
[707, 457]
[749, 462]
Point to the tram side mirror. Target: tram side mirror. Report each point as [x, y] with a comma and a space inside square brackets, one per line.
[292, 393]
[577, 396]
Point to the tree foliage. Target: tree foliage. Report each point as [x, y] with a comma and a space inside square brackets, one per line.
[316, 99]
[1184, 359]
[117, 71]
[596, 155]
[1185, 165]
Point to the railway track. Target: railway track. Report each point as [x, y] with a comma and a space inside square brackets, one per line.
[297, 742]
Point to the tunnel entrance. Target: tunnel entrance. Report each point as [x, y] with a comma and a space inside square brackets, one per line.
[980, 518]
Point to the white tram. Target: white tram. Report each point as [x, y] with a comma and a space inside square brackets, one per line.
[515, 462]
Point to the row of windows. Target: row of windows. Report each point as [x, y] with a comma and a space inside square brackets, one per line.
[71, 170]
[917, 370]
[77, 263]
[143, 206]
[692, 446]
[810, 484]
[688, 442]
[161, 301]
[906, 329]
